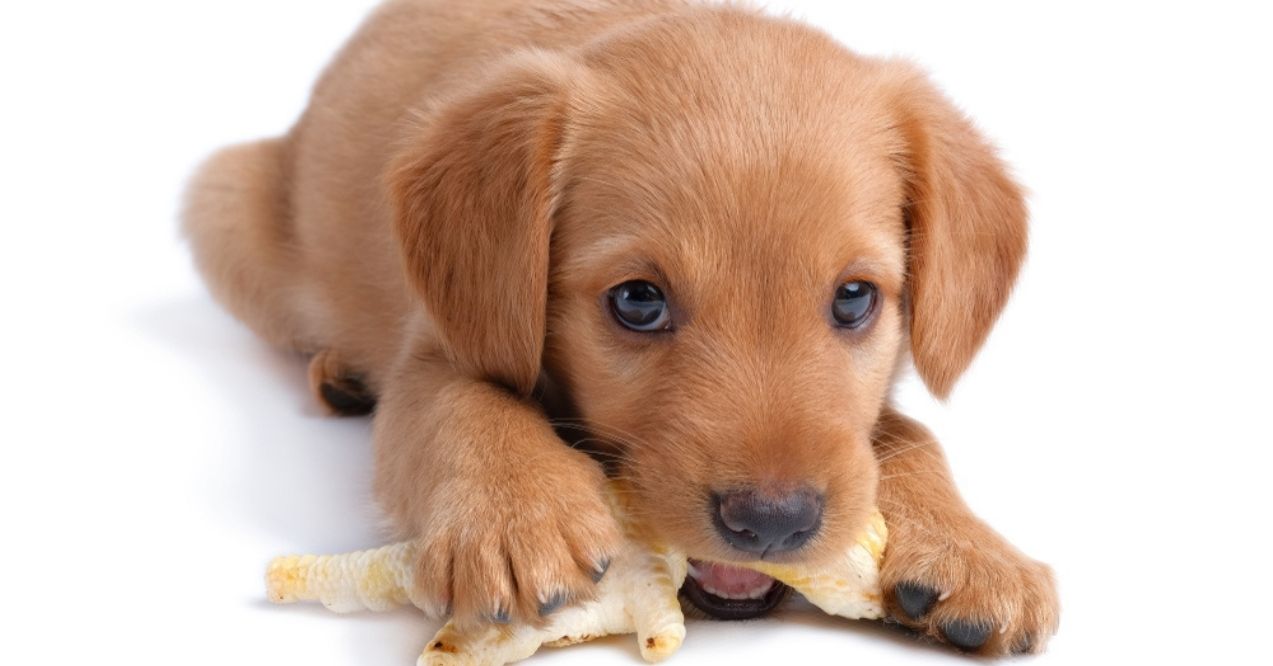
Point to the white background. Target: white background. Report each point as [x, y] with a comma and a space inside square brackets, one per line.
[155, 455]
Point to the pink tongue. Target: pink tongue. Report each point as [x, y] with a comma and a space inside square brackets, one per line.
[733, 581]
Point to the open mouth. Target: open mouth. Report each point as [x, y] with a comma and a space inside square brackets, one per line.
[731, 593]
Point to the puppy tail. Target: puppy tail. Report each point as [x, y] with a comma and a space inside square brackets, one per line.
[238, 219]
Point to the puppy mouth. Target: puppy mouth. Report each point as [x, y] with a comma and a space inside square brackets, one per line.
[728, 592]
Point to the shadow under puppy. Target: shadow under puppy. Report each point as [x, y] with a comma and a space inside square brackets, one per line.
[694, 239]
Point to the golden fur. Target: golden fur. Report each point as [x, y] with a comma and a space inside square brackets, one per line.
[442, 225]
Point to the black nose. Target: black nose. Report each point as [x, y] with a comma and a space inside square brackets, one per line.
[763, 523]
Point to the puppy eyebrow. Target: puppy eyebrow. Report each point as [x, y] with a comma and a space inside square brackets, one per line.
[621, 255]
[620, 248]
[871, 269]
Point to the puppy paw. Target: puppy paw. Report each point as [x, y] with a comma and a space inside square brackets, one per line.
[970, 588]
[517, 550]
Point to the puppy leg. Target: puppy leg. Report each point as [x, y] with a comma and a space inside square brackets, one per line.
[514, 522]
[946, 573]
[342, 389]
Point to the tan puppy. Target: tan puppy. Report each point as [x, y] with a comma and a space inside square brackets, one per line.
[697, 241]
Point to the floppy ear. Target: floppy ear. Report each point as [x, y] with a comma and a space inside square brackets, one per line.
[474, 198]
[967, 233]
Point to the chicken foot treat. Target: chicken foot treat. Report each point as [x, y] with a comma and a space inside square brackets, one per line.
[637, 595]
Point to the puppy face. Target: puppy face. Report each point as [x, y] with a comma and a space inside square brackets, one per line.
[746, 379]
[717, 262]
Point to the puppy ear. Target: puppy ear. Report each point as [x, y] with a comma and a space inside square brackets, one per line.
[474, 198]
[967, 232]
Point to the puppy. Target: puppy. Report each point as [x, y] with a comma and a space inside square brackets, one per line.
[694, 240]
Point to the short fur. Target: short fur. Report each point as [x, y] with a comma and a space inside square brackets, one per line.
[442, 225]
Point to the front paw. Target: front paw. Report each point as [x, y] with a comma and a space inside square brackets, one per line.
[965, 585]
[517, 549]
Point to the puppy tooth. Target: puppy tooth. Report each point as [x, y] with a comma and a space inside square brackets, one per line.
[761, 591]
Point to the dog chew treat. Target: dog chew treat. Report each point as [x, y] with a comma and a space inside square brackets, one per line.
[848, 586]
[637, 595]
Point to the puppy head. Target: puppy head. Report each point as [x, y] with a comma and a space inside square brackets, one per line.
[716, 236]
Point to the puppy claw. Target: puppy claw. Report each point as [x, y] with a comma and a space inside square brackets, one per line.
[552, 605]
[914, 599]
[501, 616]
[600, 571]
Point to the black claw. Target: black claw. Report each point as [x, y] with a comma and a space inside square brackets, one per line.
[600, 571]
[915, 599]
[501, 616]
[551, 606]
[1025, 645]
[967, 634]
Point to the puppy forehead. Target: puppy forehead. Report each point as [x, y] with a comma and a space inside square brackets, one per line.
[798, 219]
[784, 156]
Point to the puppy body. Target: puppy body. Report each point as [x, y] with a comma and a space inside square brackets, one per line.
[441, 228]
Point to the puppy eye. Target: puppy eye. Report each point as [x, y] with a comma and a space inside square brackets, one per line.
[854, 303]
[640, 306]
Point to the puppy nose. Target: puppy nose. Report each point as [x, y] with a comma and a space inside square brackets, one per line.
[763, 523]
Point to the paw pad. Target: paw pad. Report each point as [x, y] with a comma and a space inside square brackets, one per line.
[966, 634]
[915, 599]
